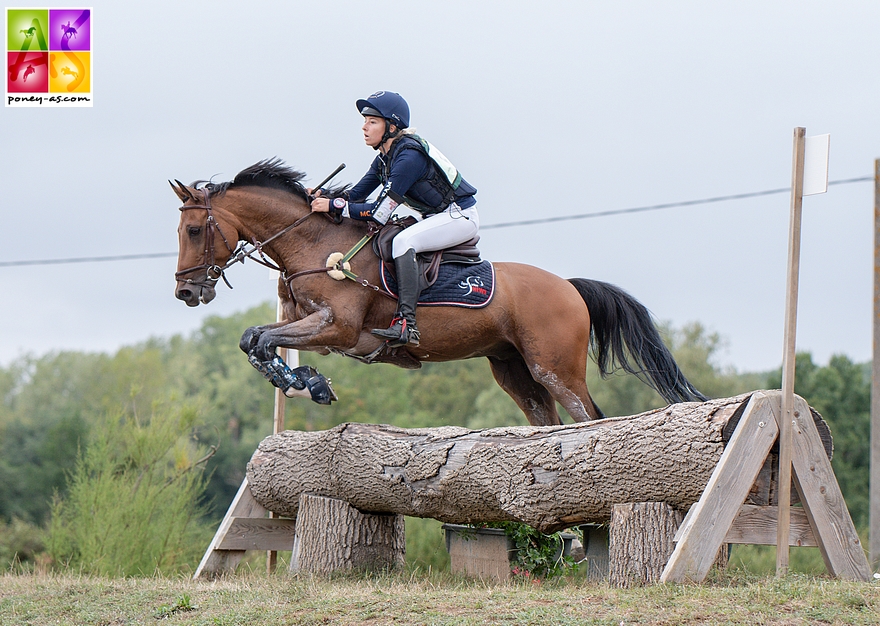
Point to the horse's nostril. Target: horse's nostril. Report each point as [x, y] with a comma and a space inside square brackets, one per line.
[184, 294]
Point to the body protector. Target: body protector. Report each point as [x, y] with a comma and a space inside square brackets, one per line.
[434, 192]
[431, 183]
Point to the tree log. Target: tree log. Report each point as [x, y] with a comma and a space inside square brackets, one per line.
[549, 477]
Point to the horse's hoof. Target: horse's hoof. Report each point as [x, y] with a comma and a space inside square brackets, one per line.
[262, 350]
[249, 339]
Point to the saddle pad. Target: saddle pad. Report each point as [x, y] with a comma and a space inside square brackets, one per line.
[470, 286]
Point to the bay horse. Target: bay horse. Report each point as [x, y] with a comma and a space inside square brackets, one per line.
[535, 332]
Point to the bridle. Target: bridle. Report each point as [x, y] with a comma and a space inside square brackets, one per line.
[213, 271]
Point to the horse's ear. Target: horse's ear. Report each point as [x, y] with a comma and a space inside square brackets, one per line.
[181, 190]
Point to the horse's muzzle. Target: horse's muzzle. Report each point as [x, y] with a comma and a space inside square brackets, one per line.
[194, 294]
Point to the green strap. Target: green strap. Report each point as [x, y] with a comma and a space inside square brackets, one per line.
[348, 256]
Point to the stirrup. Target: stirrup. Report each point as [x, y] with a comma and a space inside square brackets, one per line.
[399, 334]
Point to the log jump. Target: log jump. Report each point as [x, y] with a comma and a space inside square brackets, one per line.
[700, 474]
[549, 477]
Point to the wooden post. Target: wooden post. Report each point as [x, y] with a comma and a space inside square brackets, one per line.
[291, 357]
[874, 538]
[789, 353]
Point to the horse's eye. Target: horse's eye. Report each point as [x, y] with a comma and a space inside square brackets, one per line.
[194, 231]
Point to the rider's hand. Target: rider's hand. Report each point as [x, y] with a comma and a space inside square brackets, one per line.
[320, 205]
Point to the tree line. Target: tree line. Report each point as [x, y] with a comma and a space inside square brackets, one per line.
[155, 437]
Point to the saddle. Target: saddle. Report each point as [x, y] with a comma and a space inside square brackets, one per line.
[429, 262]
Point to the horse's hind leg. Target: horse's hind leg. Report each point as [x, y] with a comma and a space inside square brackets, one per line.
[513, 375]
[571, 393]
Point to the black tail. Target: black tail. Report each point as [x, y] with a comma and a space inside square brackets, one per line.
[624, 336]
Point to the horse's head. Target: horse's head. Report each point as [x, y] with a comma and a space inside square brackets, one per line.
[206, 243]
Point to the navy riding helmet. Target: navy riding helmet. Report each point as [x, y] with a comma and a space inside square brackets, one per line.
[388, 105]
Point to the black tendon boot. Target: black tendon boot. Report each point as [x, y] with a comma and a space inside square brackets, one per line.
[403, 329]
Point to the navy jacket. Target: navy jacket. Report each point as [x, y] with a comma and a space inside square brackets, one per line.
[408, 172]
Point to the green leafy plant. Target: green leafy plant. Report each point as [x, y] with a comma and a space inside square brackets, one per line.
[183, 604]
[536, 556]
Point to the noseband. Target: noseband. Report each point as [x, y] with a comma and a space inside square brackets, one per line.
[213, 272]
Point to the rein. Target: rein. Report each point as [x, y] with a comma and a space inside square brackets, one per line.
[214, 272]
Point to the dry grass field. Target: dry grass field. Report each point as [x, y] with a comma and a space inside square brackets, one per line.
[428, 598]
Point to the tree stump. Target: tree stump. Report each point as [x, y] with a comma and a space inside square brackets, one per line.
[332, 536]
[640, 542]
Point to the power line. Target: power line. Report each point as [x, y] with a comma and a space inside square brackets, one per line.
[543, 220]
[657, 207]
[88, 259]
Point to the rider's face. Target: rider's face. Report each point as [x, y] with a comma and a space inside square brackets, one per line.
[374, 128]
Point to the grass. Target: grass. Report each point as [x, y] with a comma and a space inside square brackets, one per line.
[428, 598]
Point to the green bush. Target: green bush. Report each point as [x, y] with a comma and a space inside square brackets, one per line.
[131, 506]
[20, 544]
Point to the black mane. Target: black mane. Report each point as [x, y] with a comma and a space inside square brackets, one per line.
[272, 173]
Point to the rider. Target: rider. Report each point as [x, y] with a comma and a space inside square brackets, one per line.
[410, 171]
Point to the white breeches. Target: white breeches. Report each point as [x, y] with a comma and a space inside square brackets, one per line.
[452, 227]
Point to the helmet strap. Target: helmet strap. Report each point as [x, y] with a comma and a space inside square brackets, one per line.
[387, 135]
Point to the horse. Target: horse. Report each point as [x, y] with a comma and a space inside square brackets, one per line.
[536, 331]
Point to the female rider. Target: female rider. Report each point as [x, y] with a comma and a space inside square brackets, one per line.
[410, 171]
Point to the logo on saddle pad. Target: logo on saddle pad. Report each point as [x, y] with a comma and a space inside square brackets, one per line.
[464, 285]
[473, 284]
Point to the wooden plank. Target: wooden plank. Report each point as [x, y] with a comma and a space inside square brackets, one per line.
[704, 530]
[823, 501]
[757, 525]
[216, 561]
[246, 533]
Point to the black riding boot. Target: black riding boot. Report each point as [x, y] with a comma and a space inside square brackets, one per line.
[403, 329]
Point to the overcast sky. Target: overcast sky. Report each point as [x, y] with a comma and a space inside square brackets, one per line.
[548, 108]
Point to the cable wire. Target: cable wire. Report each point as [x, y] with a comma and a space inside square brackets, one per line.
[657, 207]
[88, 259]
[543, 220]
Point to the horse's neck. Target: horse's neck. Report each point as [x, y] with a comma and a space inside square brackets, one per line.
[261, 217]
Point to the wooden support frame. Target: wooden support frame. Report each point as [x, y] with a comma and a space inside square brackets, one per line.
[719, 516]
[244, 527]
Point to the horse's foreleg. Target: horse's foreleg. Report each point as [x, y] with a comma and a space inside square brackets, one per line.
[513, 375]
[251, 336]
[316, 332]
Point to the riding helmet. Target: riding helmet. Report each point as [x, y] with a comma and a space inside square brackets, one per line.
[388, 105]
